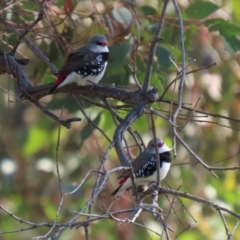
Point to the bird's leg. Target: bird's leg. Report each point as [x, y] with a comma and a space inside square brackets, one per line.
[141, 190]
[91, 83]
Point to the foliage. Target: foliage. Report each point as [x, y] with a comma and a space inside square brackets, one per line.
[34, 147]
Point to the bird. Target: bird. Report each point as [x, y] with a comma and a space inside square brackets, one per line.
[145, 166]
[85, 65]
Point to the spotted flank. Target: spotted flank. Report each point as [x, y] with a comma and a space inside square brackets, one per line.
[148, 168]
[145, 166]
[93, 68]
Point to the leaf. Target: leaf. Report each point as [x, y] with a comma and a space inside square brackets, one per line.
[35, 141]
[233, 42]
[118, 58]
[65, 101]
[156, 81]
[47, 77]
[167, 34]
[235, 9]
[107, 123]
[122, 15]
[151, 28]
[223, 26]
[163, 55]
[200, 10]
[89, 128]
[28, 6]
[227, 30]
[148, 10]
[188, 33]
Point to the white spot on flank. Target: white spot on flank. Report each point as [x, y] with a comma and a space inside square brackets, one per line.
[74, 77]
[146, 180]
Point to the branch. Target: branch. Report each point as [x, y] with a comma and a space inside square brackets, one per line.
[30, 44]
[66, 123]
[153, 48]
[136, 112]
[163, 190]
[182, 80]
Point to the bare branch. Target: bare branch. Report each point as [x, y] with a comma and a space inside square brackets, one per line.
[197, 199]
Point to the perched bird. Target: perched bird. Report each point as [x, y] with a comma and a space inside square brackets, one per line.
[145, 166]
[85, 65]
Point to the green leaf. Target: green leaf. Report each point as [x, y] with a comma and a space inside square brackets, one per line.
[107, 123]
[118, 58]
[47, 77]
[148, 10]
[60, 3]
[188, 34]
[167, 34]
[156, 81]
[89, 128]
[235, 9]
[223, 26]
[27, 5]
[66, 101]
[227, 30]
[35, 141]
[233, 42]
[163, 55]
[48, 208]
[200, 10]
[151, 28]
[122, 15]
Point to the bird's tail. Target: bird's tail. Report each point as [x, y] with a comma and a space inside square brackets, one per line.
[123, 180]
[53, 88]
[116, 191]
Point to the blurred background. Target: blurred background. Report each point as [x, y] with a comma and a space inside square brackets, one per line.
[29, 184]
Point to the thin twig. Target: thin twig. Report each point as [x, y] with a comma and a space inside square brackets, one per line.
[57, 155]
[86, 232]
[89, 120]
[233, 231]
[66, 123]
[153, 46]
[156, 151]
[191, 114]
[224, 223]
[194, 155]
[182, 80]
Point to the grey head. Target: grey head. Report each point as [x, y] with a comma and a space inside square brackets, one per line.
[97, 44]
[162, 147]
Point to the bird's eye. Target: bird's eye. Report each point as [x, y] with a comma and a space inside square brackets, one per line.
[160, 144]
[101, 43]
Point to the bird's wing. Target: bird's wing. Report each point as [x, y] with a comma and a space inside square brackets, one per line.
[142, 159]
[77, 59]
[137, 163]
